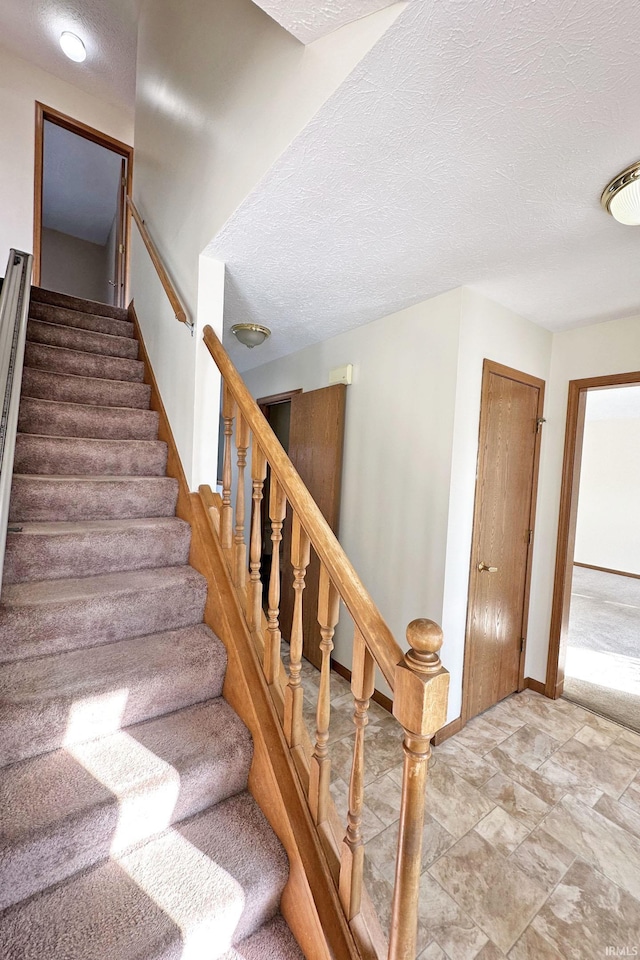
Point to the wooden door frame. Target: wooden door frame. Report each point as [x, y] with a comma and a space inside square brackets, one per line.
[567, 519]
[491, 367]
[43, 112]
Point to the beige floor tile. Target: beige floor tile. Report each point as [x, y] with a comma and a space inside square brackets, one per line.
[396, 773]
[502, 831]
[631, 796]
[380, 892]
[598, 841]
[595, 738]
[607, 770]
[533, 946]
[464, 762]
[433, 952]
[480, 736]
[619, 813]
[490, 952]
[543, 714]
[441, 919]
[504, 716]
[453, 802]
[516, 800]
[531, 780]
[382, 849]
[383, 798]
[496, 894]
[529, 746]
[543, 858]
[597, 722]
[570, 783]
[370, 825]
[586, 914]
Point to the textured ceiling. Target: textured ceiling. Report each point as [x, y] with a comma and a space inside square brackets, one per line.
[309, 21]
[80, 185]
[31, 29]
[470, 146]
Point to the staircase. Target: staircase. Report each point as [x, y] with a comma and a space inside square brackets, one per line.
[126, 828]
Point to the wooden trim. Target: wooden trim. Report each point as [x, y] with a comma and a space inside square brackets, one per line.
[43, 112]
[278, 398]
[576, 404]
[310, 903]
[449, 730]
[165, 280]
[378, 637]
[378, 697]
[536, 685]
[618, 573]
[491, 367]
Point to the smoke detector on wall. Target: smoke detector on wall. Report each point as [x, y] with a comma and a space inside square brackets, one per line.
[621, 196]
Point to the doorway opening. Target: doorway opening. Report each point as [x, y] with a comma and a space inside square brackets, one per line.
[594, 653]
[81, 227]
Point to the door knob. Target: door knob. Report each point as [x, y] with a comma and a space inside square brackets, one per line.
[485, 568]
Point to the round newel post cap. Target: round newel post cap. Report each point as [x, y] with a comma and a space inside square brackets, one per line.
[425, 640]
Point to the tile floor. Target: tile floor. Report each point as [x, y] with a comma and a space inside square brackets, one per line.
[532, 833]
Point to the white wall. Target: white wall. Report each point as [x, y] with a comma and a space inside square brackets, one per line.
[21, 84]
[597, 350]
[74, 266]
[221, 91]
[397, 454]
[608, 523]
[489, 331]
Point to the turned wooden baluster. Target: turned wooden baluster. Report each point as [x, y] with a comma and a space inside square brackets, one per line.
[277, 512]
[258, 475]
[239, 546]
[226, 521]
[300, 555]
[352, 858]
[320, 772]
[420, 706]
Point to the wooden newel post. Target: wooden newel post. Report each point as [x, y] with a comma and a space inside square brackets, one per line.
[420, 706]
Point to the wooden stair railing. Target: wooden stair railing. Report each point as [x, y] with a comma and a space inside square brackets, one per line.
[417, 678]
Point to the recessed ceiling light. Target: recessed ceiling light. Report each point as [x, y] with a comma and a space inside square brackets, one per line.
[621, 197]
[73, 46]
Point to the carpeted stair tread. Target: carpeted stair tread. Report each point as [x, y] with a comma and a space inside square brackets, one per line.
[52, 551]
[272, 941]
[75, 338]
[69, 809]
[57, 419]
[72, 697]
[82, 364]
[51, 498]
[68, 388]
[193, 891]
[48, 616]
[62, 456]
[85, 321]
[41, 295]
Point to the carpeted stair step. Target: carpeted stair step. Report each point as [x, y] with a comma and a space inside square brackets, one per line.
[193, 891]
[69, 809]
[47, 499]
[81, 364]
[70, 698]
[48, 616]
[53, 418]
[75, 338]
[67, 388]
[52, 551]
[85, 321]
[78, 455]
[272, 941]
[40, 295]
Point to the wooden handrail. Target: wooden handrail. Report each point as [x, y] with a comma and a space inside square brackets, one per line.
[378, 637]
[165, 280]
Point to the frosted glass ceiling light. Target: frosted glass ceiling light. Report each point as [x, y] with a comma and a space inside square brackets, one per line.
[621, 197]
[251, 334]
[73, 46]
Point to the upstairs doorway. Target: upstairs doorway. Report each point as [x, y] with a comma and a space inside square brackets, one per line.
[81, 227]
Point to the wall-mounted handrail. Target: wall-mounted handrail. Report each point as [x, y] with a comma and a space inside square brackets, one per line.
[14, 314]
[156, 259]
[417, 678]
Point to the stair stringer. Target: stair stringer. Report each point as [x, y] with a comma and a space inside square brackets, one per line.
[310, 903]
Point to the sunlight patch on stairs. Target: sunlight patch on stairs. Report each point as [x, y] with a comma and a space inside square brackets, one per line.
[95, 716]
